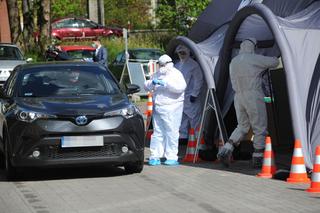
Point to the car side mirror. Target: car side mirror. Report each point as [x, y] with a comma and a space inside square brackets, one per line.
[29, 60]
[132, 88]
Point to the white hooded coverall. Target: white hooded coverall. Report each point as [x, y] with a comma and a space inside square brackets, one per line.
[192, 74]
[167, 111]
[246, 78]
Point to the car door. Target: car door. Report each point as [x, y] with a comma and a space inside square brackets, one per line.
[68, 28]
[92, 29]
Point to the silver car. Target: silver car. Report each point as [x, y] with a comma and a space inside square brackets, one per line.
[10, 57]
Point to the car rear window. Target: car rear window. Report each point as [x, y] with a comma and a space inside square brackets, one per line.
[10, 53]
[52, 82]
[81, 54]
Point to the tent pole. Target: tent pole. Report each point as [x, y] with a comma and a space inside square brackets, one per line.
[223, 133]
[204, 113]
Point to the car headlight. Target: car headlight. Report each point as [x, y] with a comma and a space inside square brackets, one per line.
[29, 116]
[127, 112]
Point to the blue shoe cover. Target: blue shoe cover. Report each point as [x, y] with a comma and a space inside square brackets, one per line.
[154, 162]
[171, 163]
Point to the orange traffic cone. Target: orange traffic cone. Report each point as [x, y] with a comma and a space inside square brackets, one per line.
[315, 178]
[298, 173]
[202, 145]
[268, 166]
[191, 147]
[149, 105]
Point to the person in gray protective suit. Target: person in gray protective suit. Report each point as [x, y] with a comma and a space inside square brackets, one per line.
[246, 78]
[192, 74]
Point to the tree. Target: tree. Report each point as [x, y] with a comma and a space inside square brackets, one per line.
[179, 14]
[28, 22]
[133, 12]
[63, 8]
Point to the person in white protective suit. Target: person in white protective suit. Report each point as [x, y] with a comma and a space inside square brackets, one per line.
[192, 74]
[167, 86]
[246, 78]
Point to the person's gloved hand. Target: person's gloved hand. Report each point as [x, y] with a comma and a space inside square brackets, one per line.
[225, 153]
[193, 99]
[155, 81]
[158, 82]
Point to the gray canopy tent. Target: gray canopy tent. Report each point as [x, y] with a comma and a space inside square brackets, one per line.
[289, 29]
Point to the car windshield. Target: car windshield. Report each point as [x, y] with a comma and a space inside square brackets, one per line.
[66, 81]
[10, 53]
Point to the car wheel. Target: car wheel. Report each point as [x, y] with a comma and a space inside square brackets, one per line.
[136, 167]
[10, 170]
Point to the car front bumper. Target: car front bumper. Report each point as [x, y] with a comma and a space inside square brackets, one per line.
[39, 144]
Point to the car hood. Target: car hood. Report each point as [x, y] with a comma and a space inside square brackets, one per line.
[10, 64]
[88, 105]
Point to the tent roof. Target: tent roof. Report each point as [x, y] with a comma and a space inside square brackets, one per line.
[294, 25]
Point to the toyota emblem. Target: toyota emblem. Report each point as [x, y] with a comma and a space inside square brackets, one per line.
[81, 120]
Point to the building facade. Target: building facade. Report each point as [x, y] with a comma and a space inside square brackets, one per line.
[5, 35]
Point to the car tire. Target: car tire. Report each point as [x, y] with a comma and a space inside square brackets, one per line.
[9, 169]
[136, 167]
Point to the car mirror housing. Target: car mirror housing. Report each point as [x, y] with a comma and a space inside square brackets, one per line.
[29, 60]
[132, 88]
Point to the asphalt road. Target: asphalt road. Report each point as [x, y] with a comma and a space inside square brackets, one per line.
[203, 187]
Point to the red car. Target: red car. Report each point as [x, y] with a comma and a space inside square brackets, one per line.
[70, 28]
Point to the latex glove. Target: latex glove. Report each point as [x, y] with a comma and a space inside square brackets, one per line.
[193, 99]
[158, 82]
[161, 82]
[225, 153]
[155, 81]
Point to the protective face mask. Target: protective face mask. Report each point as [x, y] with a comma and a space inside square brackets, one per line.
[94, 45]
[162, 70]
[183, 58]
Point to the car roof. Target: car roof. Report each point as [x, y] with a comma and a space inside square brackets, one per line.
[64, 18]
[8, 44]
[76, 47]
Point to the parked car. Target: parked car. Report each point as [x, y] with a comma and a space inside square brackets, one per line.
[69, 113]
[142, 55]
[70, 52]
[67, 28]
[10, 57]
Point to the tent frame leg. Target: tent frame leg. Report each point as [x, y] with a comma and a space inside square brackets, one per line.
[211, 94]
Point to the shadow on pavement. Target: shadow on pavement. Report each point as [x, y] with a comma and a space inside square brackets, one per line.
[33, 174]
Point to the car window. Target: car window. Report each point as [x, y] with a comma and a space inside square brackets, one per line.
[10, 53]
[79, 54]
[65, 23]
[66, 82]
[80, 23]
[120, 58]
[90, 24]
[145, 54]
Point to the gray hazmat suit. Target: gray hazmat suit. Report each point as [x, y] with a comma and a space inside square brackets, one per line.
[246, 78]
[167, 109]
[192, 74]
